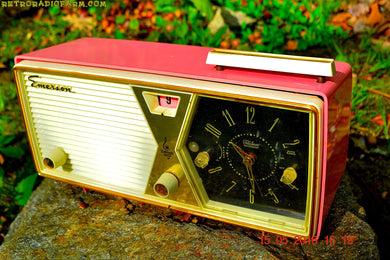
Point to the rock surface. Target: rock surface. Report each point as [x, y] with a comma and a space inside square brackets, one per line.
[63, 222]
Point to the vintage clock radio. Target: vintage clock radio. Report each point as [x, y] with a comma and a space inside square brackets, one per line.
[253, 139]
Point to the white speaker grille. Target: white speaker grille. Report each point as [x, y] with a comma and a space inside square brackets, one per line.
[99, 125]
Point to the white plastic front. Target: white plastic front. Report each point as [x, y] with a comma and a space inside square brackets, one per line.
[99, 125]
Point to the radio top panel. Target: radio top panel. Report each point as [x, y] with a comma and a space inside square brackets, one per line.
[190, 62]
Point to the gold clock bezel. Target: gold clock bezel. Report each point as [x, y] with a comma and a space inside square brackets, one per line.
[251, 215]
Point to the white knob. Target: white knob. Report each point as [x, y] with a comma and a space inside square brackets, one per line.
[55, 158]
[168, 181]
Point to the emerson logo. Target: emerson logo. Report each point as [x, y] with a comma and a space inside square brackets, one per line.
[38, 84]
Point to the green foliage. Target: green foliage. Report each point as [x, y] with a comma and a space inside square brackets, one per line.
[24, 189]
[386, 124]
[205, 7]
[165, 6]
[373, 60]
[10, 117]
[120, 19]
[30, 34]
[15, 160]
[12, 152]
[368, 107]
[17, 168]
[17, 177]
[277, 23]
[134, 24]
[2, 172]
[6, 150]
[371, 66]
[192, 29]
[119, 35]
[54, 10]
[285, 21]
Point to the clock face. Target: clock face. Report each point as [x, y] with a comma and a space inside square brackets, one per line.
[254, 156]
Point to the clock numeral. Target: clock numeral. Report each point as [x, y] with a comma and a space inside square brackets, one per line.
[212, 130]
[271, 192]
[250, 114]
[289, 152]
[228, 117]
[214, 170]
[296, 141]
[251, 196]
[272, 127]
[231, 187]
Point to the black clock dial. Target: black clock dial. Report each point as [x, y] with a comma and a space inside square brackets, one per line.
[251, 155]
[251, 152]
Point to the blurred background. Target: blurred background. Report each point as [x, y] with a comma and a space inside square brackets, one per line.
[357, 32]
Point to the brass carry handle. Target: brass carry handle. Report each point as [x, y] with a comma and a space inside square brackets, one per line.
[321, 67]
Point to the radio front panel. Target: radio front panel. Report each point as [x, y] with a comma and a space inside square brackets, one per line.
[204, 147]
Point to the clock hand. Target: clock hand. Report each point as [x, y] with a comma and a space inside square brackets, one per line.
[251, 179]
[238, 150]
[248, 161]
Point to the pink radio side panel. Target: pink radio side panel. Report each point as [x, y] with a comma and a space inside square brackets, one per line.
[339, 116]
[190, 62]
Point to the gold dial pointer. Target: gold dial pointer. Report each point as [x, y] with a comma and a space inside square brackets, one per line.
[238, 149]
[248, 160]
[251, 178]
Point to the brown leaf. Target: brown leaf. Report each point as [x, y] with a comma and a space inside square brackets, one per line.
[375, 16]
[307, 14]
[380, 93]
[292, 45]
[105, 23]
[235, 43]
[385, 45]
[18, 49]
[127, 14]
[83, 24]
[341, 18]
[149, 5]
[267, 15]
[2, 159]
[82, 205]
[382, 28]
[186, 217]
[366, 77]
[372, 139]
[379, 119]
[39, 14]
[177, 13]
[194, 220]
[44, 42]
[225, 45]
